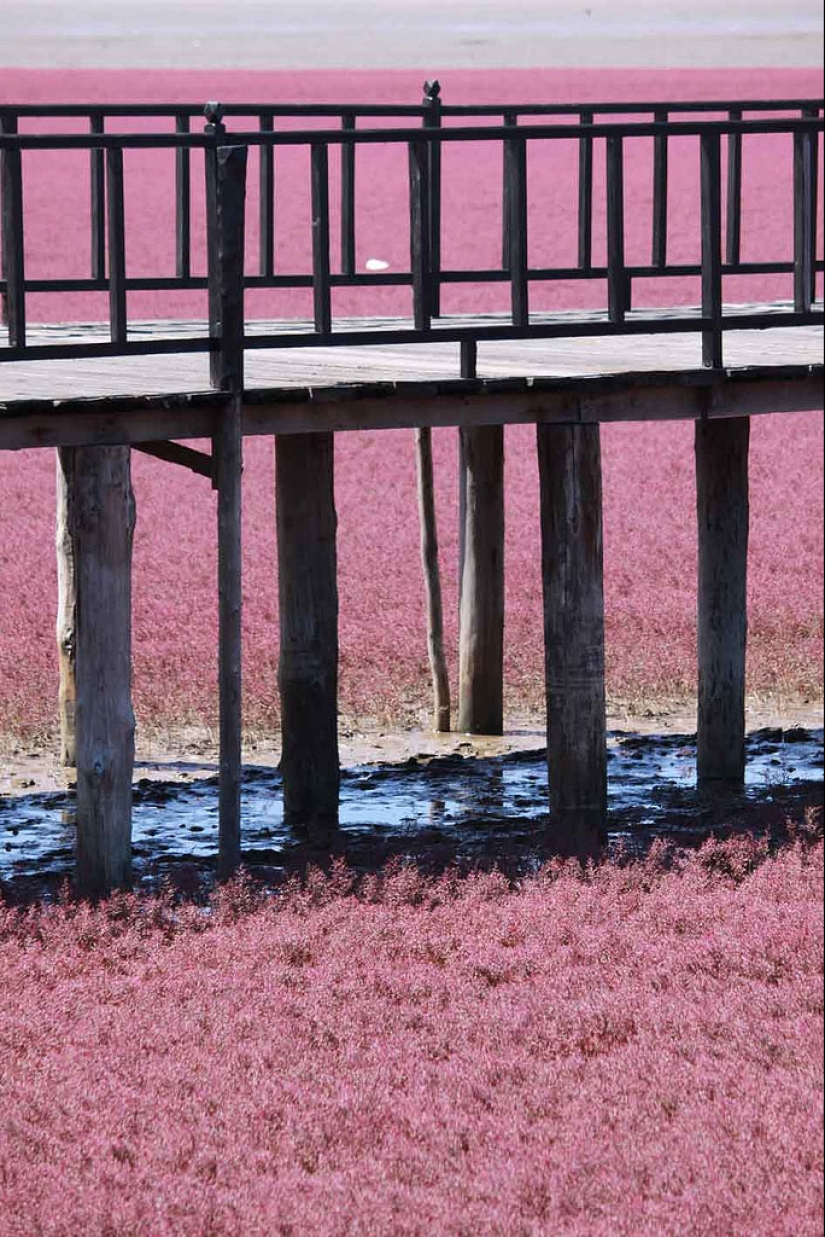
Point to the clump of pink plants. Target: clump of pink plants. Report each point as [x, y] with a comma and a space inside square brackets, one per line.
[635, 1050]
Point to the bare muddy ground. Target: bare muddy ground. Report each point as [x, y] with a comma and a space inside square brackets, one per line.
[432, 800]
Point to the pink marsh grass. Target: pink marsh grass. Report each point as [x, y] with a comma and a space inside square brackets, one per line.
[634, 1053]
[650, 550]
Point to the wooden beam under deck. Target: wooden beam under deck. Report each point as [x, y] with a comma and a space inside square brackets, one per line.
[649, 396]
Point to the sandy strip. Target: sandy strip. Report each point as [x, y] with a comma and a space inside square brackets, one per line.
[369, 34]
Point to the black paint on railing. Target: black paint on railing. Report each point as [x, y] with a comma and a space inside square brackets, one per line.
[733, 228]
[660, 168]
[348, 200]
[266, 201]
[97, 197]
[585, 209]
[432, 120]
[711, 199]
[116, 235]
[183, 204]
[322, 303]
[616, 275]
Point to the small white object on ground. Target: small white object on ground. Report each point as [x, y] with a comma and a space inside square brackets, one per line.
[376, 264]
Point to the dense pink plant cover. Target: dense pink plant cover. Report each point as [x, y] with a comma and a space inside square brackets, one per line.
[649, 502]
[637, 1053]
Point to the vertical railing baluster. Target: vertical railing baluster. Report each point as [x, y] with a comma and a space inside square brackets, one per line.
[804, 226]
[585, 254]
[97, 201]
[711, 197]
[266, 200]
[11, 237]
[812, 113]
[733, 220]
[183, 210]
[348, 197]
[660, 169]
[419, 160]
[117, 244]
[432, 120]
[320, 238]
[510, 122]
[516, 164]
[12, 308]
[617, 290]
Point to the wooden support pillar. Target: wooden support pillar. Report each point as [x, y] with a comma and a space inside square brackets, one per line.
[571, 532]
[481, 638]
[225, 203]
[722, 511]
[103, 521]
[308, 602]
[66, 604]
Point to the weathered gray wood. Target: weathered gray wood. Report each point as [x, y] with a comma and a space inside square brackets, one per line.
[226, 197]
[308, 603]
[722, 511]
[66, 630]
[104, 518]
[571, 532]
[432, 580]
[481, 638]
[653, 396]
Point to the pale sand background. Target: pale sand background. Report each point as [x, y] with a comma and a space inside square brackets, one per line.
[436, 34]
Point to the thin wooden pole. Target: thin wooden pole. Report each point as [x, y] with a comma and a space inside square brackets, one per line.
[722, 511]
[66, 604]
[104, 518]
[308, 606]
[225, 196]
[481, 637]
[571, 531]
[432, 580]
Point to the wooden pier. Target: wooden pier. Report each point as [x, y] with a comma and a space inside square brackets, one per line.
[95, 393]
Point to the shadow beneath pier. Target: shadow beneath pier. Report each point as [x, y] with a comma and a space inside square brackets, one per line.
[434, 811]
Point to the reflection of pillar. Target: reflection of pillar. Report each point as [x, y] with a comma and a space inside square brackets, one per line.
[571, 530]
[722, 511]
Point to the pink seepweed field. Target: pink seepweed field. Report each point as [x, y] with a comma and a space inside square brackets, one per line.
[635, 1051]
[649, 523]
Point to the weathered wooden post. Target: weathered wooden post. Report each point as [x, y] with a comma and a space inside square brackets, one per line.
[571, 533]
[481, 636]
[66, 604]
[225, 205]
[308, 603]
[722, 511]
[102, 515]
[432, 579]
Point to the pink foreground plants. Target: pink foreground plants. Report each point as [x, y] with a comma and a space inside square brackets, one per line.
[636, 1050]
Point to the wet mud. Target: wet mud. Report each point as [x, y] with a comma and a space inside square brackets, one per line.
[429, 809]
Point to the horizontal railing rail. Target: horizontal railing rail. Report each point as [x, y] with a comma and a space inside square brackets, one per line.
[716, 127]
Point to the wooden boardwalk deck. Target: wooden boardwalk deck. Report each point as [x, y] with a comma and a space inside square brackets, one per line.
[388, 385]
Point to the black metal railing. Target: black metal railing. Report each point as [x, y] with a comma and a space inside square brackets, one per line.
[716, 129]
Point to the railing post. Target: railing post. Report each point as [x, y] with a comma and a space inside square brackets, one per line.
[97, 200]
[225, 200]
[660, 169]
[183, 208]
[266, 200]
[617, 282]
[510, 120]
[320, 238]
[711, 196]
[516, 174]
[733, 220]
[420, 233]
[804, 220]
[348, 197]
[115, 224]
[585, 221]
[432, 120]
[11, 237]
